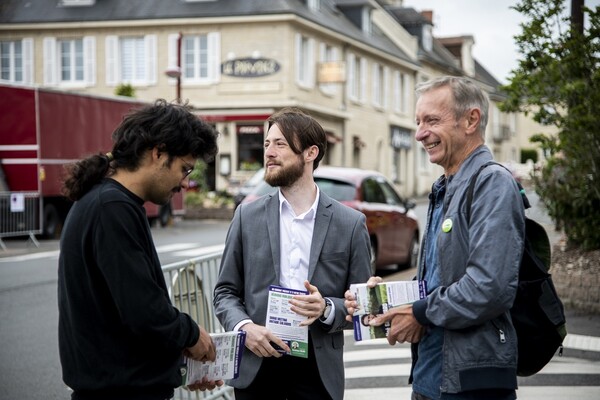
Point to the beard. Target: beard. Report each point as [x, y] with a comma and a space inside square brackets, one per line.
[285, 176]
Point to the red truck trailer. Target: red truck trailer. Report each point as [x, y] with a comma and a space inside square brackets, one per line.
[42, 130]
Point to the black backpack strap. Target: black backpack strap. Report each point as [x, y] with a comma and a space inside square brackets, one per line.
[471, 188]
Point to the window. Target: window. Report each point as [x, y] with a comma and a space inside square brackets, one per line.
[402, 90]
[200, 58]
[423, 159]
[132, 54]
[250, 147]
[372, 192]
[16, 61]
[305, 61]
[512, 123]
[327, 54]
[337, 190]
[357, 77]
[195, 57]
[314, 5]
[131, 60]
[70, 61]
[380, 89]
[396, 92]
[406, 92]
[366, 20]
[427, 37]
[391, 197]
[75, 3]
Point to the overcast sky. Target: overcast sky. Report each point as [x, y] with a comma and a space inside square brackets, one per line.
[491, 22]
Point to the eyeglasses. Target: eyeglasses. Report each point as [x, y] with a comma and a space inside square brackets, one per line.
[186, 168]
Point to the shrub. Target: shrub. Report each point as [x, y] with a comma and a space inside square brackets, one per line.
[529, 154]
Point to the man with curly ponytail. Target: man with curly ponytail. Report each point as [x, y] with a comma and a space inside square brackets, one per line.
[119, 335]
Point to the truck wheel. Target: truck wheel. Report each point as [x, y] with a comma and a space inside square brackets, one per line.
[52, 222]
[165, 215]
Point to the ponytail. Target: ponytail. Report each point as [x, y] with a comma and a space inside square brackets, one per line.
[84, 174]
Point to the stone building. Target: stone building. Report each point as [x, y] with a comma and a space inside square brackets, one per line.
[352, 64]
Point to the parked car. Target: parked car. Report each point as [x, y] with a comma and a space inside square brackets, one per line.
[392, 224]
[249, 186]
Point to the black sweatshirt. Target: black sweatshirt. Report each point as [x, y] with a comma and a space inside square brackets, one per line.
[119, 334]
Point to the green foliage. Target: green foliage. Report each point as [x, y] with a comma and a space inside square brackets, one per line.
[558, 82]
[125, 89]
[200, 196]
[198, 175]
[250, 166]
[208, 199]
[529, 154]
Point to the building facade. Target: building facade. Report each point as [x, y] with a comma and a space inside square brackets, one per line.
[352, 64]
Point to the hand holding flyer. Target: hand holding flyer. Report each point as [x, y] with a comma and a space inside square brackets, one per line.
[379, 299]
[285, 323]
[229, 348]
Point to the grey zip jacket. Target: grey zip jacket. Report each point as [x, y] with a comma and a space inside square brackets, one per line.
[478, 269]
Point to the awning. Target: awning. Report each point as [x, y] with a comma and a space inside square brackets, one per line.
[358, 144]
[332, 138]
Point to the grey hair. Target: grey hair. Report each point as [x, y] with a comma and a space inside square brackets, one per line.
[466, 94]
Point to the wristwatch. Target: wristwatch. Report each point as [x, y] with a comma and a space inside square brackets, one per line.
[327, 311]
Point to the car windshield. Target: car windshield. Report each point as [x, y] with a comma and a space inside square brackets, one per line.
[340, 191]
[256, 178]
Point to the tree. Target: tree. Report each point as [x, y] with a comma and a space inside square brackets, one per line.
[558, 81]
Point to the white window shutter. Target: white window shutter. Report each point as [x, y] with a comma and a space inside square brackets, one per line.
[112, 60]
[312, 64]
[397, 93]
[50, 68]
[363, 80]
[351, 74]
[172, 42]
[386, 87]
[89, 59]
[298, 57]
[214, 57]
[28, 61]
[375, 85]
[151, 70]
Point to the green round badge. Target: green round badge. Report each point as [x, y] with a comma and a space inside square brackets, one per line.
[447, 225]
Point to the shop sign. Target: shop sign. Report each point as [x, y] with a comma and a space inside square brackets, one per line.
[401, 138]
[249, 67]
[250, 129]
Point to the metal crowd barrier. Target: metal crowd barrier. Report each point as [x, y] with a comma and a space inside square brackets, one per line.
[191, 284]
[20, 215]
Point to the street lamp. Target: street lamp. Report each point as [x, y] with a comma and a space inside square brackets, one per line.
[175, 71]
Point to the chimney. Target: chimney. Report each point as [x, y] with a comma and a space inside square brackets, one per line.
[428, 15]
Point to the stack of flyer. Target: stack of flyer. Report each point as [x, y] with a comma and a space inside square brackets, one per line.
[285, 323]
[229, 347]
[379, 299]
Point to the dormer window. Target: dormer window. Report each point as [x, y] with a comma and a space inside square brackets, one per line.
[366, 20]
[76, 3]
[427, 37]
[313, 5]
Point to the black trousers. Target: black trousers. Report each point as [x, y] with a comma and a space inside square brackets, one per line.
[286, 378]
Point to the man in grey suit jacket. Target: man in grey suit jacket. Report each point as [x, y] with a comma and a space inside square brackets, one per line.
[297, 238]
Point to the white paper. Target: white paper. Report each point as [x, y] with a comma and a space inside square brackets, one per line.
[17, 202]
[285, 323]
[229, 347]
